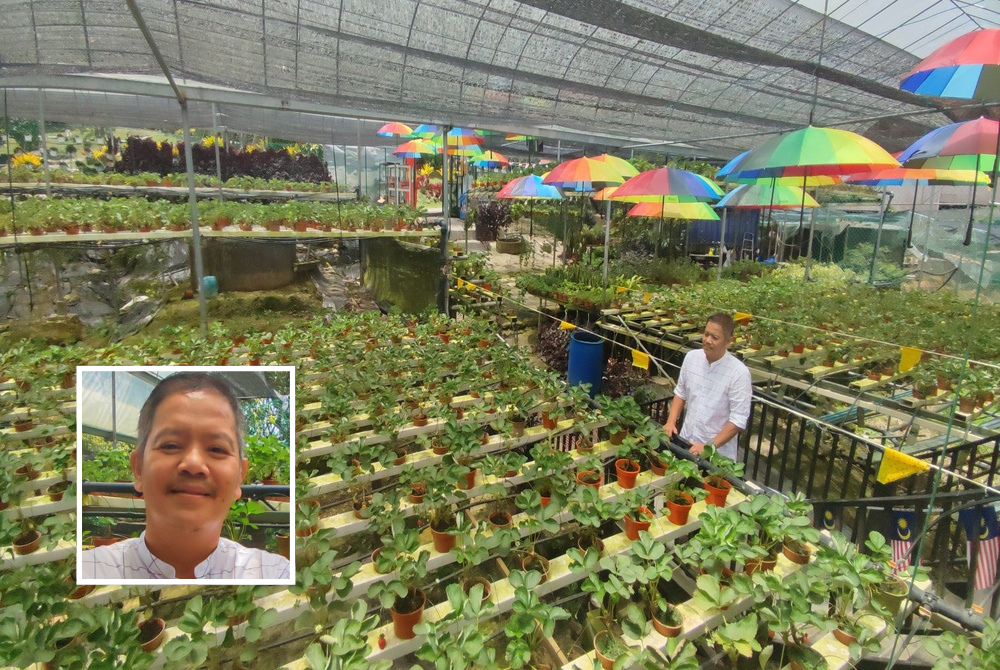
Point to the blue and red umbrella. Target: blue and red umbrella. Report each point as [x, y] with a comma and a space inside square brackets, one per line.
[967, 67]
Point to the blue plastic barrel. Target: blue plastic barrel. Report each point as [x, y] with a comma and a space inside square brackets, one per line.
[210, 286]
[586, 360]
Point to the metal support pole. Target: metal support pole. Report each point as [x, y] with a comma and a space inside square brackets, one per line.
[45, 143]
[883, 202]
[607, 239]
[927, 236]
[445, 221]
[722, 241]
[195, 233]
[558, 151]
[215, 133]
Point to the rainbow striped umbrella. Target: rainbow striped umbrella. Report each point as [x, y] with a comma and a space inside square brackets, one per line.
[464, 137]
[414, 149]
[967, 67]
[759, 196]
[394, 129]
[584, 174]
[675, 210]
[490, 159]
[621, 166]
[667, 185]
[903, 176]
[753, 177]
[517, 138]
[814, 151]
[529, 187]
[426, 131]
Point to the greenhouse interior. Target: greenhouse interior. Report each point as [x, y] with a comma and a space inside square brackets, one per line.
[500, 334]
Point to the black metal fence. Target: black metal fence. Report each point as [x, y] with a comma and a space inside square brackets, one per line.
[787, 451]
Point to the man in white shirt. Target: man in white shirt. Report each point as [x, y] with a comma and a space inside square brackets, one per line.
[189, 462]
[715, 388]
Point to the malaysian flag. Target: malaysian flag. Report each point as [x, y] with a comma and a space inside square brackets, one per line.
[904, 522]
[983, 520]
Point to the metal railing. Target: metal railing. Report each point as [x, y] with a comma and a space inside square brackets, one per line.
[784, 450]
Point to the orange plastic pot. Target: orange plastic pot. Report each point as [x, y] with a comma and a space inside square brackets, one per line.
[633, 526]
[627, 472]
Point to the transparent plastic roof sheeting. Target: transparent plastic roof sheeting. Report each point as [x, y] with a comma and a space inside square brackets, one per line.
[714, 74]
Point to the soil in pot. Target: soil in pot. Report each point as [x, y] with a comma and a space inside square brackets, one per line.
[590, 478]
[500, 520]
[669, 623]
[27, 543]
[608, 648]
[536, 563]
[627, 472]
[406, 613]
[151, 634]
[796, 552]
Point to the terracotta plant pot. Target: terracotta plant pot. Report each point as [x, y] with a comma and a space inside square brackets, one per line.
[892, 594]
[23, 425]
[587, 478]
[80, 591]
[27, 543]
[757, 565]
[500, 520]
[417, 493]
[678, 512]
[487, 588]
[151, 634]
[718, 490]
[443, 542]
[597, 543]
[470, 480]
[617, 438]
[843, 637]
[657, 467]
[634, 526]
[793, 555]
[536, 563]
[549, 422]
[627, 472]
[375, 563]
[403, 622]
[104, 541]
[664, 629]
[517, 427]
[606, 663]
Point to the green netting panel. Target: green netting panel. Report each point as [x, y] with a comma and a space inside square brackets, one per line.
[401, 276]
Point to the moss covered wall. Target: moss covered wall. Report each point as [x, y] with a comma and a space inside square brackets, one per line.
[401, 275]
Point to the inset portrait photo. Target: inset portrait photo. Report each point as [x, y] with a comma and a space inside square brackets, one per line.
[185, 474]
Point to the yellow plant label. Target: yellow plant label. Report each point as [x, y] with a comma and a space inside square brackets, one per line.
[908, 357]
[566, 325]
[897, 465]
[640, 359]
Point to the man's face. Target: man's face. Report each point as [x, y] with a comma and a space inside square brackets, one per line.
[714, 342]
[191, 471]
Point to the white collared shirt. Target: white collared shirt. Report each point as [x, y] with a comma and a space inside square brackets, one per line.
[131, 559]
[713, 394]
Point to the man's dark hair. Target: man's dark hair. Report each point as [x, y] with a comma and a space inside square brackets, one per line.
[187, 382]
[724, 321]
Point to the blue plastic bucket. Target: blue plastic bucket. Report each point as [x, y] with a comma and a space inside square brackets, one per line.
[586, 360]
[210, 286]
